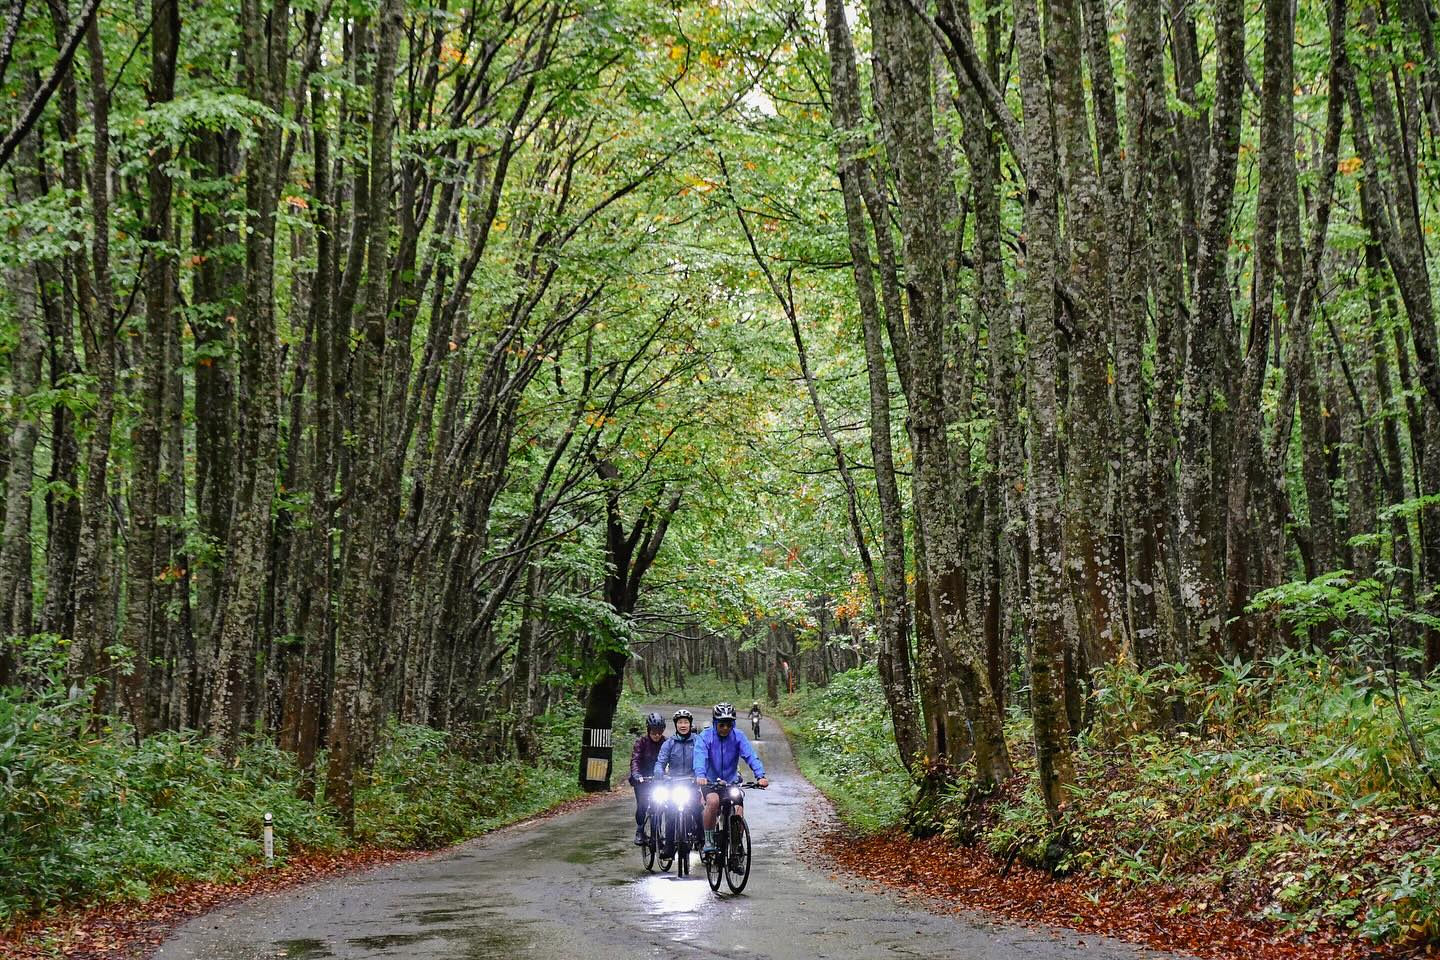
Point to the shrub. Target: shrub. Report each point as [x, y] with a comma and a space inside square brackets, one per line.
[91, 815]
[422, 793]
[1292, 794]
[87, 816]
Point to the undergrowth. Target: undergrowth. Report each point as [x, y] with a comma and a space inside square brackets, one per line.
[1289, 793]
[88, 815]
[844, 744]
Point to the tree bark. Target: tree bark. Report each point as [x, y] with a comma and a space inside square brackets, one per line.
[892, 608]
[368, 530]
[903, 61]
[1047, 658]
[1201, 536]
[140, 551]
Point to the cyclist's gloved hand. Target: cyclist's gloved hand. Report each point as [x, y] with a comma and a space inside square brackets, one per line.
[702, 781]
[763, 782]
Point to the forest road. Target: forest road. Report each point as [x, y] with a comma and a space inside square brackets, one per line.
[573, 888]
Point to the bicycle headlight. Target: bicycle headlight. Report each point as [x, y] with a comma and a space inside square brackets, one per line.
[734, 793]
[661, 794]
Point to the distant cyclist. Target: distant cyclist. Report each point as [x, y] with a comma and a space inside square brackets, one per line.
[718, 752]
[755, 717]
[677, 759]
[642, 762]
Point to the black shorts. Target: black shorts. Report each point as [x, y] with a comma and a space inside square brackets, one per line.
[710, 788]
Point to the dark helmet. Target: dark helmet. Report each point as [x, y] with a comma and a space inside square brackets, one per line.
[724, 711]
[654, 722]
[682, 714]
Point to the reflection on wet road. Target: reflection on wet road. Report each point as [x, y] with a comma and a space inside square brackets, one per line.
[574, 887]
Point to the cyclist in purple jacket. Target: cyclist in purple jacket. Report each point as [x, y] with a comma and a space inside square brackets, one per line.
[642, 762]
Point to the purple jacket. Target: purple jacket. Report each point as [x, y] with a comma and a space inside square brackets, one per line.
[643, 757]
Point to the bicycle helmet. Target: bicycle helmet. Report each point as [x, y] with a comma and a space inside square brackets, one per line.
[654, 722]
[724, 711]
[682, 714]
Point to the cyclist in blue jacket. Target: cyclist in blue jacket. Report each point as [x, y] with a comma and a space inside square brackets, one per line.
[718, 752]
[677, 759]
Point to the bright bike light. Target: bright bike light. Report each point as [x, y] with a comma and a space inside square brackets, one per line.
[661, 794]
[734, 793]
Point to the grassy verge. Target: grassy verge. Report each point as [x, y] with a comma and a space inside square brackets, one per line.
[844, 744]
[703, 689]
[91, 817]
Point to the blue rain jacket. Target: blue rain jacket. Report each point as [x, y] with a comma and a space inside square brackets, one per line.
[678, 753]
[718, 758]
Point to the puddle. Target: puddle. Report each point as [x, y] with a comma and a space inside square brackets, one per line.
[588, 853]
[399, 939]
[302, 949]
[491, 944]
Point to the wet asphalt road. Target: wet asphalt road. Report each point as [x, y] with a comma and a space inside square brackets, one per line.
[574, 887]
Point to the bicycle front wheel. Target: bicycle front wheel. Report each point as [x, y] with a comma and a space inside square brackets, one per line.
[682, 845]
[664, 828]
[715, 862]
[647, 849]
[737, 855]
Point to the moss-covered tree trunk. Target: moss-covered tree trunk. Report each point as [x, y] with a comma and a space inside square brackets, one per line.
[1047, 567]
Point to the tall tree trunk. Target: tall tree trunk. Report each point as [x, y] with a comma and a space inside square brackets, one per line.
[92, 601]
[1047, 657]
[903, 70]
[266, 40]
[140, 552]
[1201, 535]
[630, 555]
[893, 609]
[359, 600]
[16, 593]
[1089, 562]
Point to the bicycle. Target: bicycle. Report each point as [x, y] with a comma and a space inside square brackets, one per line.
[650, 828]
[679, 800]
[755, 725]
[731, 859]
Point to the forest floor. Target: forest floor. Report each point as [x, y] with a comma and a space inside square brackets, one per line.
[133, 930]
[964, 879]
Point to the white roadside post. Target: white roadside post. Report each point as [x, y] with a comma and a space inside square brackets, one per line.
[269, 838]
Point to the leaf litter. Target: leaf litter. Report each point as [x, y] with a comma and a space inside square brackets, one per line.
[967, 880]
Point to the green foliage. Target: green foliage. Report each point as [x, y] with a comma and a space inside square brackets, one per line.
[845, 745]
[1290, 792]
[424, 792]
[703, 690]
[1360, 616]
[88, 815]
